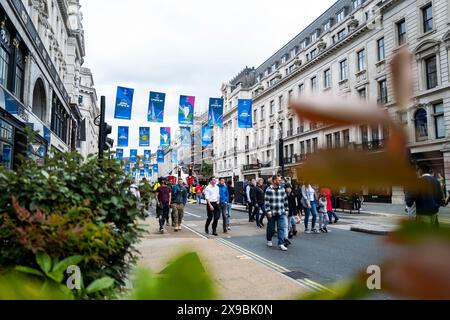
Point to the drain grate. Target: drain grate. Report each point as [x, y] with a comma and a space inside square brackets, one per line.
[296, 275]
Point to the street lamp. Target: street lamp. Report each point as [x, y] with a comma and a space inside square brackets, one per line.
[280, 146]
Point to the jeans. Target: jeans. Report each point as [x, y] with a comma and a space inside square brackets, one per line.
[199, 199]
[228, 214]
[213, 215]
[331, 215]
[313, 211]
[163, 215]
[256, 212]
[250, 212]
[178, 209]
[281, 222]
[323, 220]
[223, 213]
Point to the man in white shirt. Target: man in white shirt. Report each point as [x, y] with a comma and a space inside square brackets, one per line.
[212, 196]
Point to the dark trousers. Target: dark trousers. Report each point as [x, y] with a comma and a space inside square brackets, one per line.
[163, 213]
[257, 212]
[271, 227]
[250, 212]
[332, 214]
[223, 213]
[213, 215]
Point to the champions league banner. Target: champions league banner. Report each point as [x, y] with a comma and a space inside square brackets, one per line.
[119, 154]
[124, 103]
[122, 137]
[245, 113]
[147, 156]
[156, 107]
[155, 168]
[142, 173]
[144, 137]
[133, 155]
[174, 157]
[206, 136]
[215, 115]
[185, 133]
[160, 156]
[165, 136]
[186, 110]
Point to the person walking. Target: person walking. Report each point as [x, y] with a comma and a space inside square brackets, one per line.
[277, 207]
[257, 196]
[331, 213]
[163, 198]
[135, 191]
[292, 203]
[309, 203]
[198, 193]
[323, 216]
[428, 198]
[223, 204]
[179, 199]
[231, 194]
[212, 196]
[248, 190]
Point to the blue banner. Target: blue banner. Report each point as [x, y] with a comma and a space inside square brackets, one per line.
[119, 154]
[142, 173]
[124, 103]
[144, 137]
[127, 168]
[185, 133]
[156, 107]
[47, 135]
[165, 136]
[160, 156]
[122, 137]
[245, 113]
[206, 136]
[155, 168]
[174, 157]
[186, 110]
[215, 114]
[133, 155]
[147, 156]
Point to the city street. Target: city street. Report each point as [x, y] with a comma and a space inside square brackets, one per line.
[313, 260]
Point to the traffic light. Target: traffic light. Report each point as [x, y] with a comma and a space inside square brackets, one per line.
[190, 171]
[107, 143]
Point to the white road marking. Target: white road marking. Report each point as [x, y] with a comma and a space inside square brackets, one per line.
[192, 230]
[193, 215]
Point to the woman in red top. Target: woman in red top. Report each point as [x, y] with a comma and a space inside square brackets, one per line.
[198, 192]
[330, 210]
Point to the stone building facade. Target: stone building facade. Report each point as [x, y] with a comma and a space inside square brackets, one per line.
[346, 51]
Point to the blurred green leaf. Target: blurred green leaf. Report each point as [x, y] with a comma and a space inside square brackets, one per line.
[64, 264]
[44, 261]
[100, 284]
[29, 270]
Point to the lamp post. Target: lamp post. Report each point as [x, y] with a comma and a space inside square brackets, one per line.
[281, 147]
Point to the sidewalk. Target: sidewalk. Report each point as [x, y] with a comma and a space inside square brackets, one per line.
[237, 276]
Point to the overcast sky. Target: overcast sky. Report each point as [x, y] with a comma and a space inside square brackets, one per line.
[182, 48]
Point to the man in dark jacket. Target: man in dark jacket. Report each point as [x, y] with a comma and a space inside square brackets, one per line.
[257, 195]
[428, 198]
[179, 199]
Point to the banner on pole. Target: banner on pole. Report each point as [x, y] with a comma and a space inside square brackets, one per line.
[186, 110]
[155, 168]
[119, 154]
[245, 113]
[185, 133]
[206, 136]
[144, 137]
[160, 156]
[156, 107]
[142, 173]
[215, 115]
[165, 137]
[147, 156]
[174, 157]
[122, 137]
[133, 155]
[124, 103]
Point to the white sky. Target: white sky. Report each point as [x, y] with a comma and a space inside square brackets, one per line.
[182, 48]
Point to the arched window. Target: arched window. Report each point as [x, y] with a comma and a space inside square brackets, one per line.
[39, 100]
[421, 126]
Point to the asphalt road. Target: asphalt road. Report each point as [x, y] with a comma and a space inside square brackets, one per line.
[322, 258]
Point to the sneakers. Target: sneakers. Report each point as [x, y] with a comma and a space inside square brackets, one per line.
[336, 221]
[307, 231]
[161, 230]
[229, 228]
[206, 231]
[283, 248]
[322, 230]
[325, 229]
[269, 244]
[315, 231]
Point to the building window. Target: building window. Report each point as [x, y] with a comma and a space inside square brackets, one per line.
[308, 146]
[272, 107]
[313, 126]
[300, 89]
[291, 127]
[314, 37]
[327, 26]
[361, 60]
[290, 93]
[364, 134]
[315, 145]
[382, 92]
[329, 139]
[346, 136]
[401, 32]
[262, 113]
[439, 123]
[301, 127]
[60, 119]
[280, 103]
[362, 93]
[356, 3]
[381, 50]
[340, 16]
[4, 66]
[255, 115]
[313, 54]
[421, 125]
[427, 16]
[341, 34]
[343, 70]
[303, 44]
[314, 84]
[327, 78]
[337, 139]
[431, 72]
[302, 147]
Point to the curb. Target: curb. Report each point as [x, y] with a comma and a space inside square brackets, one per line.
[371, 231]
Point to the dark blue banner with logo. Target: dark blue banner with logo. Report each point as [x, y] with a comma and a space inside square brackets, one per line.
[124, 103]
[142, 173]
[133, 155]
[174, 157]
[185, 134]
[186, 110]
[160, 156]
[144, 137]
[122, 137]
[165, 136]
[147, 156]
[156, 107]
[206, 136]
[155, 168]
[119, 154]
[215, 115]
[245, 113]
